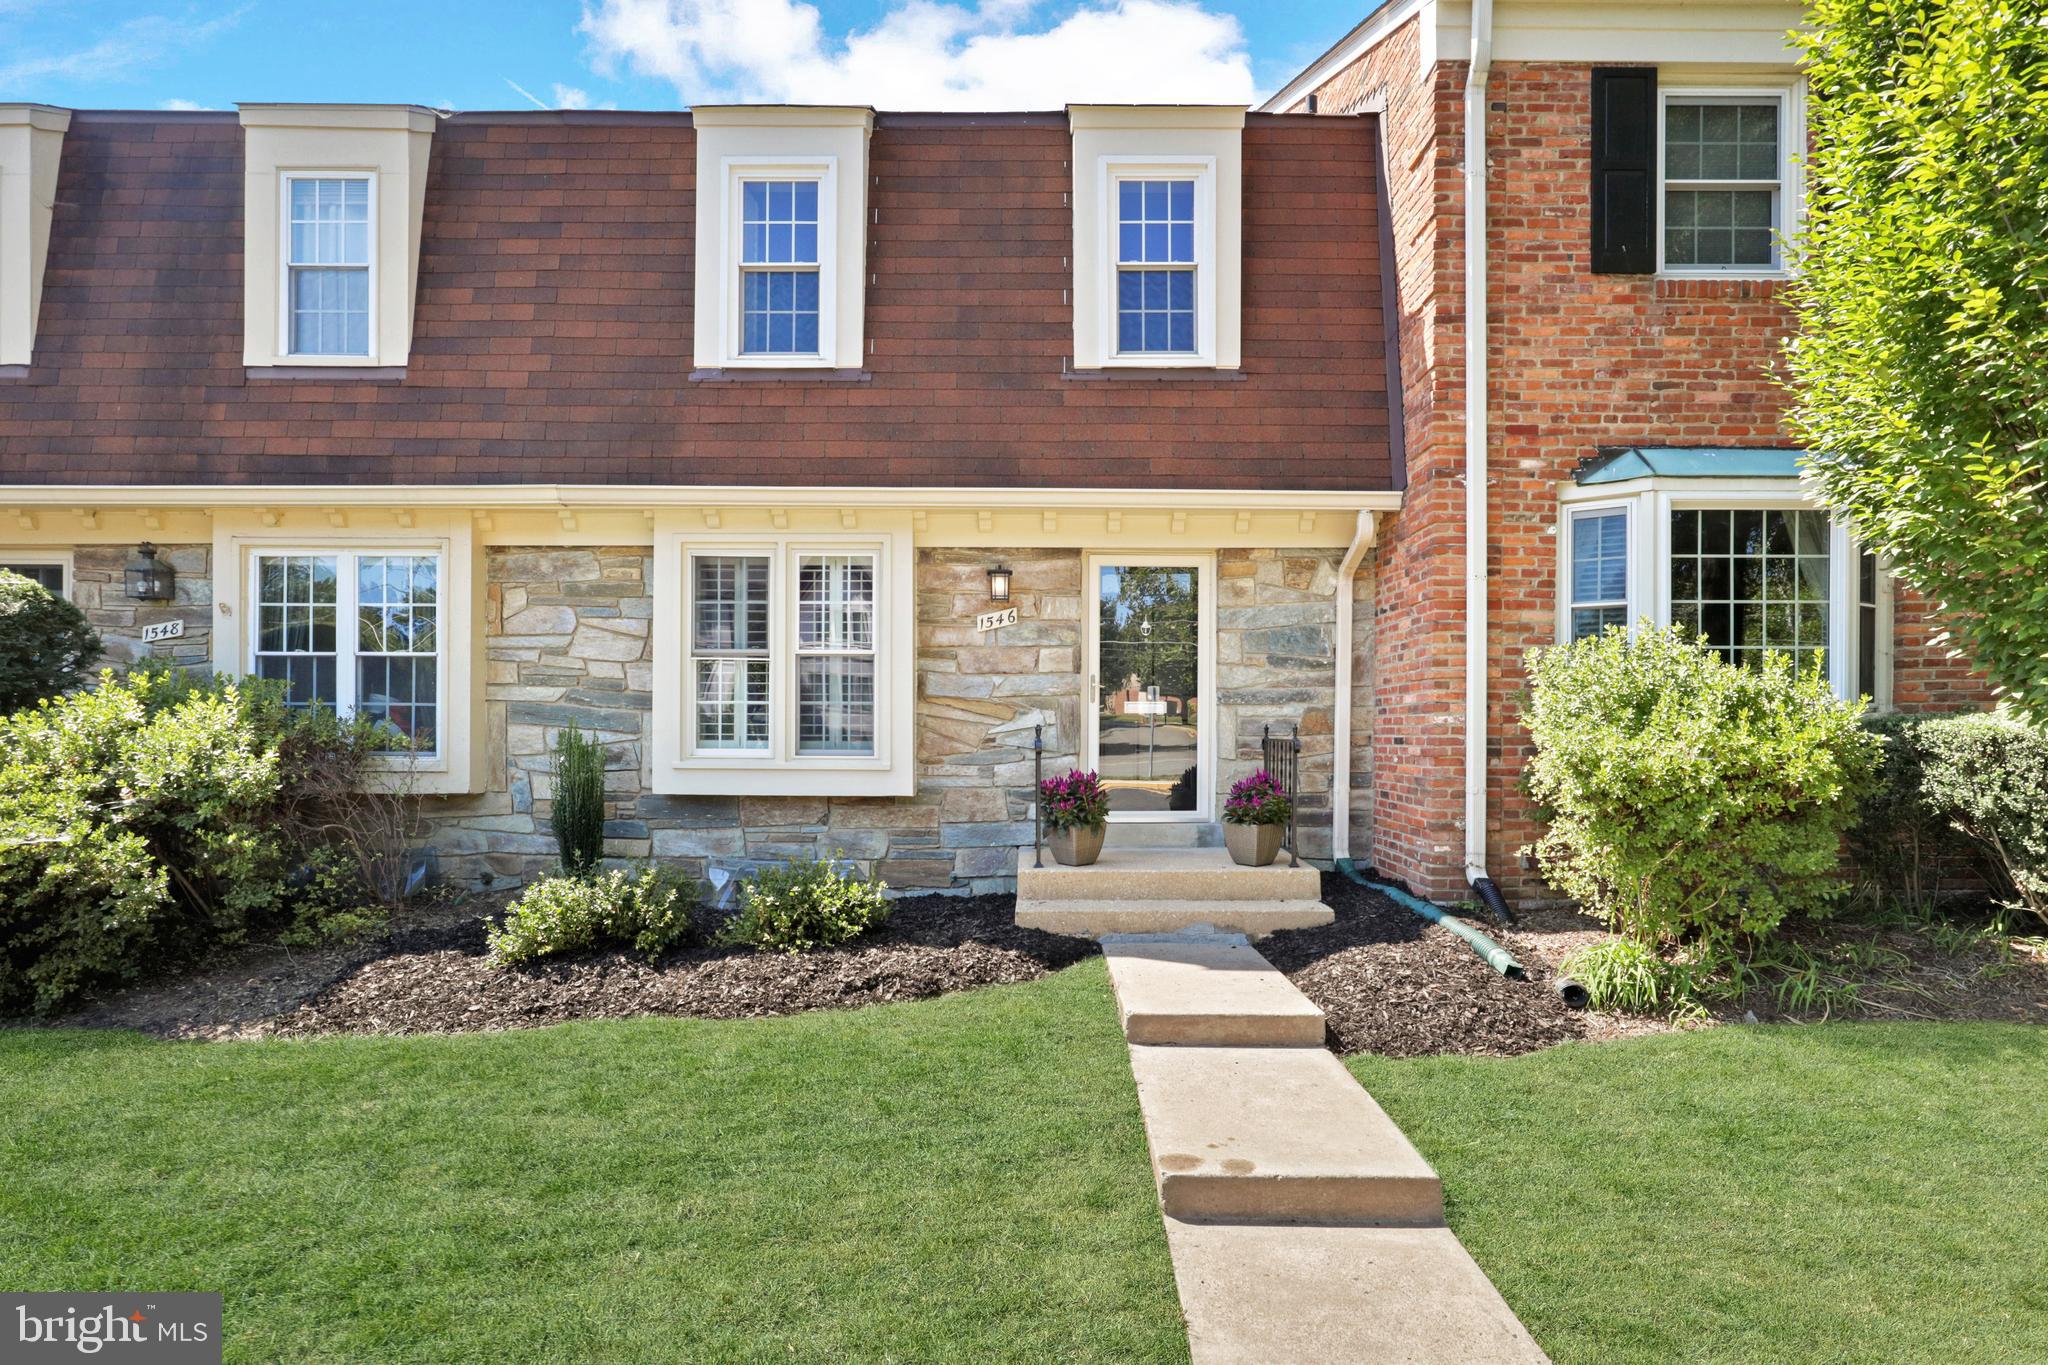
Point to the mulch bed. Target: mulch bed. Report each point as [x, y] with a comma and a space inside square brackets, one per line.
[1394, 984]
[438, 981]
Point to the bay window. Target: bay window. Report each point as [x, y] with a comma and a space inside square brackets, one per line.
[1745, 572]
[359, 633]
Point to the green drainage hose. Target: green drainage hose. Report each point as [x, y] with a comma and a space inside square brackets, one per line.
[1491, 953]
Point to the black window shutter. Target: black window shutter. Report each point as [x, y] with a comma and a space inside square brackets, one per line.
[1624, 170]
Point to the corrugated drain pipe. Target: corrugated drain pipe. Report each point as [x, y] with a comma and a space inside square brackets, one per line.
[1491, 953]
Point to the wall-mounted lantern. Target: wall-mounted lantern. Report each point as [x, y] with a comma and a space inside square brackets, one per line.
[149, 578]
[999, 584]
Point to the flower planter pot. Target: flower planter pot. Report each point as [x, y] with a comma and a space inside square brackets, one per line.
[1076, 847]
[1253, 845]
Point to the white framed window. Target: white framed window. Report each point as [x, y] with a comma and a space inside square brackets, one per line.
[779, 266]
[1156, 265]
[835, 654]
[784, 663]
[328, 293]
[782, 651]
[1728, 191]
[1158, 284]
[1597, 570]
[730, 651]
[780, 248]
[1749, 569]
[358, 631]
[52, 570]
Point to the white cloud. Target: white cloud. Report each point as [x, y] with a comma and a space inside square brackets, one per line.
[183, 106]
[927, 55]
[569, 97]
[137, 42]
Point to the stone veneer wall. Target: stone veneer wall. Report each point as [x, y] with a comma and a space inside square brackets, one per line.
[99, 587]
[1276, 653]
[567, 639]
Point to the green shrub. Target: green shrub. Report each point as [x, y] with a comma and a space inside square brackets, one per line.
[805, 904]
[649, 914]
[1691, 801]
[578, 815]
[1987, 777]
[1905, 851]
[133, 825]
[1622, 974]
[46, 647]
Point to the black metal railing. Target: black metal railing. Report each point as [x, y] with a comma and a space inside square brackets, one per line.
[1037, 803]
[1281, 756]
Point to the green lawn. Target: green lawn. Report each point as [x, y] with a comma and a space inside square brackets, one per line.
[962, 1179]
[1846, 1192]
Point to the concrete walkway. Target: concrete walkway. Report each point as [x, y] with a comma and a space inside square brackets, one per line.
[1303, 1225]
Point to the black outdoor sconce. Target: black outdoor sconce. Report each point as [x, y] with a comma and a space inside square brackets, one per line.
[999, 584]
[149, 578]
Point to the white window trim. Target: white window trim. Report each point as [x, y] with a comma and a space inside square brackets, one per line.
[1570, 523]
[1791, 98]
[1112, 171]
[286, 354]
[62, 559]
[735, 171]
[1650, 503]
[678, 767]
[348, 629]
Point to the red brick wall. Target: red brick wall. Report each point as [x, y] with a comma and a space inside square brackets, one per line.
[553, 329]
[1413, 773]
[1577, 361]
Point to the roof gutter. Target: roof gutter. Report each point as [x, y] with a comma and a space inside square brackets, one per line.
[1476, 73]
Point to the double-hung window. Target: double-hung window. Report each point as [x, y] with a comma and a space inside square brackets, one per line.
[1599, 570]
[47, 572]
[1728, 186]
[782, 652]
[730, 657]
[357, 632]
[328, 265]
[779, 275]
[1155, 266]
[835, 649]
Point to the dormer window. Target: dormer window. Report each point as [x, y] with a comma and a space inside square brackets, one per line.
[779, 267]
[781, 237]
[328, 265]
[1155, 270]
[335, 203]
[1158, 236]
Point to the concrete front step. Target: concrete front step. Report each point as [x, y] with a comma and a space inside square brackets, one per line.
[1164, 874]
[1092, 919]
[1276, 1135]
[1214, 991]
[1168, 834]
[1281, 1293]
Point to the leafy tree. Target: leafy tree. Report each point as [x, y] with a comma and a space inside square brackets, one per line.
[45, 645]
[1922, 368]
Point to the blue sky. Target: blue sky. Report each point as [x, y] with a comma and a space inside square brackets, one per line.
[657, 54]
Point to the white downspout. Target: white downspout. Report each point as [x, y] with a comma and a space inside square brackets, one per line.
[1340, 725]
[1475, 439]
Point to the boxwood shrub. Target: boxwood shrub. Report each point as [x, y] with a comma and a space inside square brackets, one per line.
[1691, 802]
[805, 904]
[562, 915]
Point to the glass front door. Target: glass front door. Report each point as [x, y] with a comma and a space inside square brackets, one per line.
[1148, 683]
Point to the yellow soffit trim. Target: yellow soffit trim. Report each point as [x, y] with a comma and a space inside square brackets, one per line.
[647, 497]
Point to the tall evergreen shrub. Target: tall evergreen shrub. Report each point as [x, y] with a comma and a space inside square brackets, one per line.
[578, 815]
